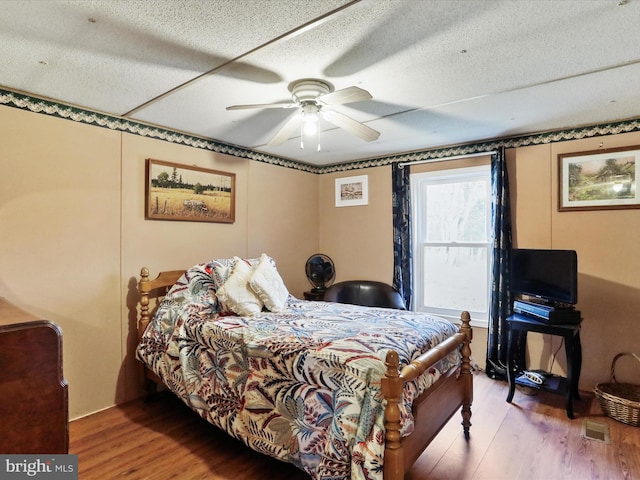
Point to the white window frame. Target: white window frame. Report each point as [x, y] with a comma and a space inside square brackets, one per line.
[418, 182]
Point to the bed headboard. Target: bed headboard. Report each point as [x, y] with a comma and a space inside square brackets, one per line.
[157, 289]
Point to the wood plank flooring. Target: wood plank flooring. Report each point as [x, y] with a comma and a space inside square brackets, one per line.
[532, 438]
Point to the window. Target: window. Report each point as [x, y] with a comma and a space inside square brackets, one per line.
[452, 241]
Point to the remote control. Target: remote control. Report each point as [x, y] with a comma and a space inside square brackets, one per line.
[534, 377]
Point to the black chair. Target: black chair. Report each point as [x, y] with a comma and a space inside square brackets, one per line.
[365, 292]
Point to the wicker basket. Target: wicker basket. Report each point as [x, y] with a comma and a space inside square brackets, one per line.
[620, 401]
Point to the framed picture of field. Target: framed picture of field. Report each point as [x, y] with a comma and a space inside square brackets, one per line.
[181, 192]
[598, 179]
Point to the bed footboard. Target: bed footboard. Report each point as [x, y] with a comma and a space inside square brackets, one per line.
[455, 391]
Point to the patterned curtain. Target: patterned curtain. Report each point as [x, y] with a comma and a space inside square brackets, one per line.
[500, 289]
[401, 204]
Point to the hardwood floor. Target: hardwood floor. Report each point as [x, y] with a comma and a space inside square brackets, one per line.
[532, 438]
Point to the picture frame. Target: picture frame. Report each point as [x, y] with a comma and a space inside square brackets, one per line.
[187, 193]
[598, 179]
[352, 191]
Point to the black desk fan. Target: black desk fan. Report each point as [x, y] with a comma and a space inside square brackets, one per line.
[320, 271]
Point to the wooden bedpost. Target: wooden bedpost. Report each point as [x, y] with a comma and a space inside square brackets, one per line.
[392, 386]
[144, 301]
[159, 286]
[466, 372]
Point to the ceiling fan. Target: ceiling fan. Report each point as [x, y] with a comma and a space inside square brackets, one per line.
[312, 97]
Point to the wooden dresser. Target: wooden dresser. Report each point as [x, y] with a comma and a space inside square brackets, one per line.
[34, 412]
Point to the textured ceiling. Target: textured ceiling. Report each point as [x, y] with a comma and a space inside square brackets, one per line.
[440, 72]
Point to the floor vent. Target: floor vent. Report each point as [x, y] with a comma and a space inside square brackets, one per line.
[595, 431]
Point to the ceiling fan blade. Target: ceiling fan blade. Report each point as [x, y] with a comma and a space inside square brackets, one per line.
[262, 105]
[366, 133]
[346, 95]
[285, 132]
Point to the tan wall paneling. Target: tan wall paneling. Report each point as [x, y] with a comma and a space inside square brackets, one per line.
[531, 190]
[283, 220]
[359, 239]
[60, 241]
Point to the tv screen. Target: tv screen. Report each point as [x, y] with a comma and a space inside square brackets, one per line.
[551, 275]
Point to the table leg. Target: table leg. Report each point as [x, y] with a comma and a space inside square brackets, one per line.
[577, 365]
[510, 364]
[570, 350]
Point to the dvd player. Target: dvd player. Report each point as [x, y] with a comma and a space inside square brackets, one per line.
[546, 313]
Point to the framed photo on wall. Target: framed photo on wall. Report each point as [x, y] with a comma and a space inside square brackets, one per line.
[352, 191]
[598, 179]
[181, 192]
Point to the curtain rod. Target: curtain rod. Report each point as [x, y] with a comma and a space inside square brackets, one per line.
[455, 157]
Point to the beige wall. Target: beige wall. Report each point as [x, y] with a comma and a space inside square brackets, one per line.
[74, 237]
[283, 220]
[59, 242]
[359, 239]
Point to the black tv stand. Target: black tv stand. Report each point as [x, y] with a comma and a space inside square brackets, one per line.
[518, 326]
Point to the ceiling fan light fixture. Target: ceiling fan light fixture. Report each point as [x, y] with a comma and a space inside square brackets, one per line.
[310, 118]
[315, 97]
[309, 138]
[310, 125]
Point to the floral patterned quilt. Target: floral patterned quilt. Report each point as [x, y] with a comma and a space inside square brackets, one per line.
[302, 385]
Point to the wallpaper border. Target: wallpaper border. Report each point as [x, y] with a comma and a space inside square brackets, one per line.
[76, 114]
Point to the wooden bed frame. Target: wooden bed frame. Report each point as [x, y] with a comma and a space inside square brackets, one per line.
[432, 410]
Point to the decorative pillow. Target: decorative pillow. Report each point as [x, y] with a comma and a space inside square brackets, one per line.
[266, 282]
[235, 294]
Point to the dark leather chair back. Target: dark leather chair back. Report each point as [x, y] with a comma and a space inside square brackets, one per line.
[365, 292]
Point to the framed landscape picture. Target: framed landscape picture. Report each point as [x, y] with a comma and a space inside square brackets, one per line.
[351, 191]
[181, 192]
[598, 179]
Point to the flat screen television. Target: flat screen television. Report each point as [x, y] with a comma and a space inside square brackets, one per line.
[549, 275]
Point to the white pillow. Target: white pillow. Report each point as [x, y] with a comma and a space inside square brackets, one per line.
[268, 285]
[236, 295]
